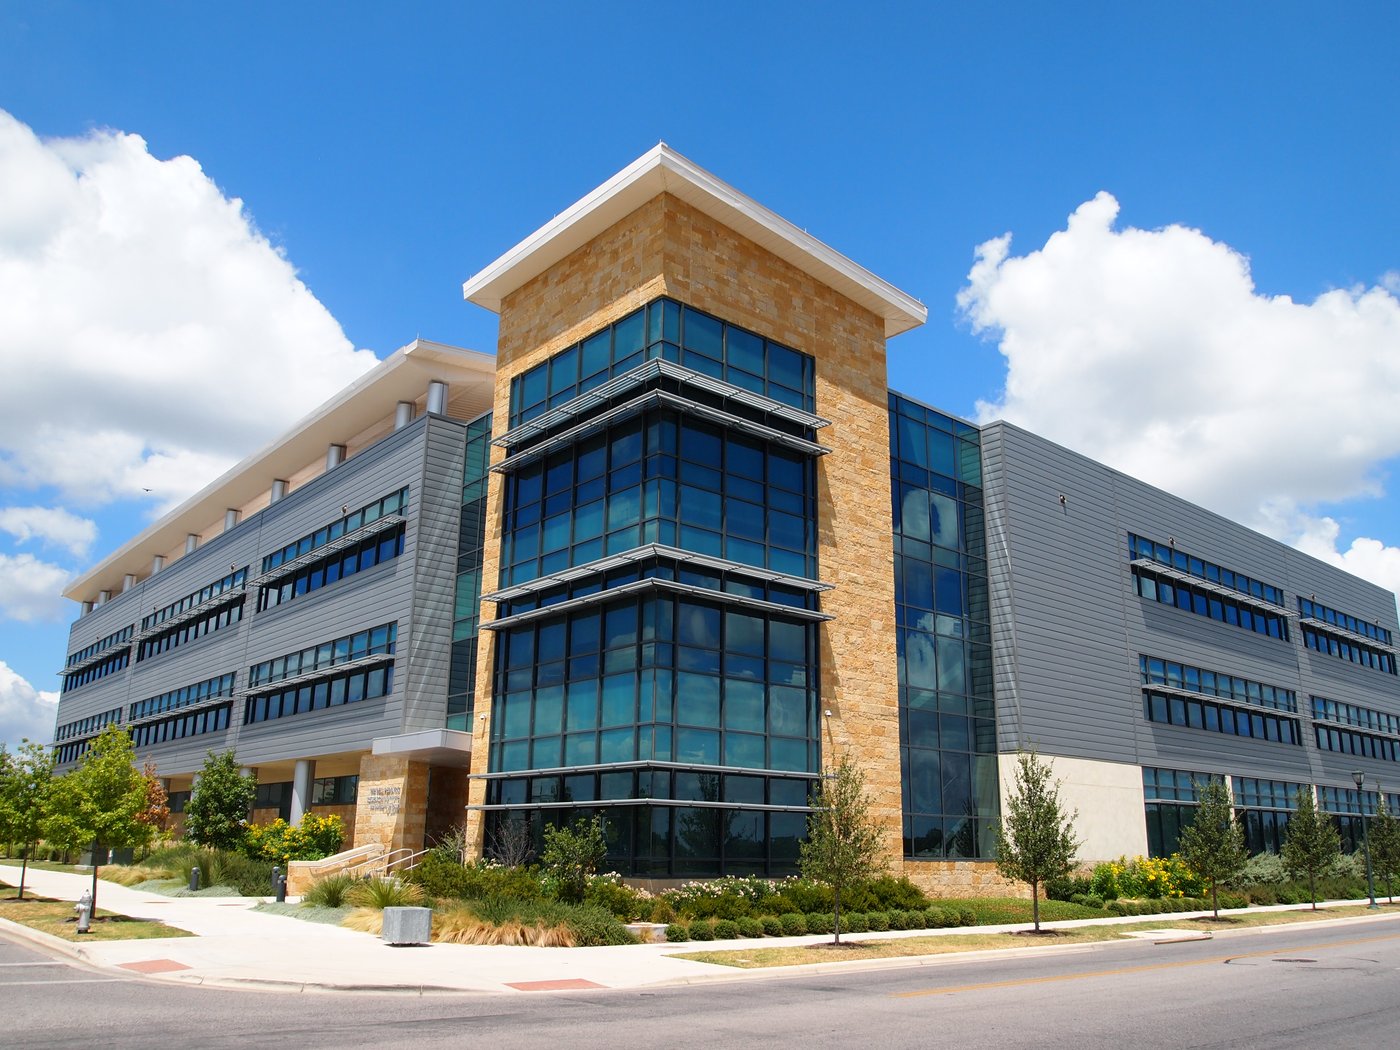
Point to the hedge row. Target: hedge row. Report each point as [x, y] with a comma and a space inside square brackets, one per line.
[796, 924]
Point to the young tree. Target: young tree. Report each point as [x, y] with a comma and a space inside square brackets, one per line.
[101, 801]
[1036, 841]
[1311, 845]
[1213, 845]
[572, 854]
[217, 813]
[157, 810]
[1385, 847]
[26, 787]
[843, 842]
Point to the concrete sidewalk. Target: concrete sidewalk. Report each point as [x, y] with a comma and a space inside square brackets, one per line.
[237, 946]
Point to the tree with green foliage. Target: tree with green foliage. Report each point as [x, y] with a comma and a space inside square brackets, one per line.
[26, 789]
[1311, 845]
[844, 844]
[1212, 846]
[1385, 847]
[102, 802]
[571, 856]
[216, 814]
[1036, 840]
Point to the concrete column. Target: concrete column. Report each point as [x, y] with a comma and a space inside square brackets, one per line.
[157, 563]
[437, 398]
[231, 518]
[128, 582]
[335, 456]
[302, 780]
[191, 542]
[103, 597]
[403, 414]
[279, 490]
[87, 608]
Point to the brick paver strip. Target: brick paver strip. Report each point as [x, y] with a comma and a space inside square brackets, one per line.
[553, 986]
[154, 966]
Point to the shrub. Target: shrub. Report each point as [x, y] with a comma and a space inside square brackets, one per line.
[966, 917]
[609, 893]
[1087, 900]
[279, 842]
[594, 927]
[1233, 900]
[749, 927]
[661, 911]
[938, 919]
[794, 924]
[447, 878]
[730, 897]
[726, 929]
[772, 926]
[702, 931]
[821, 922]
[855, 922]
[878, 921]
[571, 856]
[677, 932]
[329, 892]
[1264, 869]
[1104, 882]
[1067, 888]
[886, 893]
[379, 894]
[898, 920]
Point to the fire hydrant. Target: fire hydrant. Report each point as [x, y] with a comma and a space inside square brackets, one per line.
[84, 910]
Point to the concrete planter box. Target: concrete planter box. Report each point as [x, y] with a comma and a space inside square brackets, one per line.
[407, 925]
[648, 932]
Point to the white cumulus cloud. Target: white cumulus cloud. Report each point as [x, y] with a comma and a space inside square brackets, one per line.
[50, 525]
[24, 710]
[31, 589]
[1152, 350]
[150, 335]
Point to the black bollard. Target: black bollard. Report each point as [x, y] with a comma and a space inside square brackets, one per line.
[194, 878]
[282, 890]
[276, 875]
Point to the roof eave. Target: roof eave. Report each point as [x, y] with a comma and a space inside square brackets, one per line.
[663, 170]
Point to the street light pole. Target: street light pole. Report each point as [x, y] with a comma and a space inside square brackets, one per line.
[1360, 779]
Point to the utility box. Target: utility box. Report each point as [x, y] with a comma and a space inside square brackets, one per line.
[407, 925]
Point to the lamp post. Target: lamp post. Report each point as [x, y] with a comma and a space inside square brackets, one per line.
[1360, 779]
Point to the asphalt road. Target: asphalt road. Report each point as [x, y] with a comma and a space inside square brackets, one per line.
[1329, 987]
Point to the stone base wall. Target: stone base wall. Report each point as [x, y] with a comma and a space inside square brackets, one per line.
[392, 805]
[447, 801]
[962, 878]
[303, 874]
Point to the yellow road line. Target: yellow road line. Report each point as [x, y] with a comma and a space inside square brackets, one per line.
[1146, 968]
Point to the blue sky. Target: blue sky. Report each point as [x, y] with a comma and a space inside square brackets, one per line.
[388, 153]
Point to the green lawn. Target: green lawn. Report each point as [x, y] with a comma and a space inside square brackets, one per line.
[58, 919]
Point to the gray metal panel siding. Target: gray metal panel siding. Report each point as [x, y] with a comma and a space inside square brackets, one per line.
[1058, 602]
[429, 645]
[1068, 626]
[379, 595]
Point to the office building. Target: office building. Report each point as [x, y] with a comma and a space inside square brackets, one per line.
[677, 546]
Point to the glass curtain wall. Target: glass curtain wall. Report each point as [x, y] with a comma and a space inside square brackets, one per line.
[671, 689]
[947, 714]
[471, 539]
